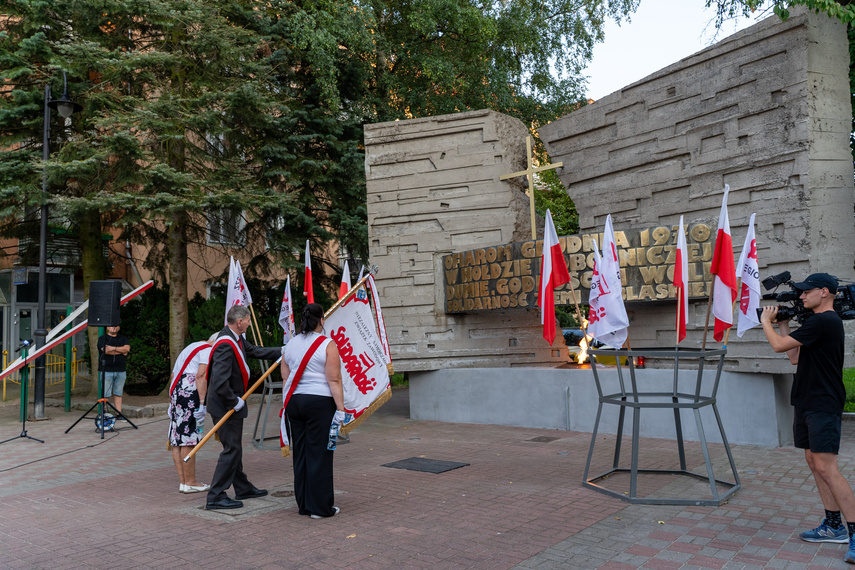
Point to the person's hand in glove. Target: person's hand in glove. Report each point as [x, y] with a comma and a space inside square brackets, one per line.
[239, 405]
[200, 413]
[338, 418]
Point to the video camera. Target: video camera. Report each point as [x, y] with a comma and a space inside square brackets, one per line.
[844, 301]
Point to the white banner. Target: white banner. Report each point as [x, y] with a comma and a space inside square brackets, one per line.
[364, 371]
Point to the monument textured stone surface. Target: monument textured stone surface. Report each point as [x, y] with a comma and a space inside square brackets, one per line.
[434, 189]
[766, 111]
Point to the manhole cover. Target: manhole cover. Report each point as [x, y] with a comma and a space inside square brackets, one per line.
[283, 494]
[543, 439]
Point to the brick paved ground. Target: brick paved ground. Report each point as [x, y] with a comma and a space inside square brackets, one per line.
[77, 501]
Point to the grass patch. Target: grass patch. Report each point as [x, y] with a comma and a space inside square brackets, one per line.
[399, 379]
[849, 382]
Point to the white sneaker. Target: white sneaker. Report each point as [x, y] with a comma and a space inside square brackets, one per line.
[336, 510]
[182, 488]
[196, 489]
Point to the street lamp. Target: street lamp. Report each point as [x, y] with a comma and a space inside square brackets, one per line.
[65, 107]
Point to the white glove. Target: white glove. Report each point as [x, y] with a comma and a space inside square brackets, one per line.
[338, 418]
[239, 405]
[200, 413]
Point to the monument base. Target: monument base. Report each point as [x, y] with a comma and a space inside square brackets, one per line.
[754, 408]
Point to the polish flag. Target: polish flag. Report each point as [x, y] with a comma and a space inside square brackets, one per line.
[553, 274]
[286, 313]
[724, 285]
[307, 285]
[681, 282]
[749, 298]
[345, 280]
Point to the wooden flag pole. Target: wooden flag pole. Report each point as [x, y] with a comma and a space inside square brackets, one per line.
[733, 306]
[230, 412]
[257, 336]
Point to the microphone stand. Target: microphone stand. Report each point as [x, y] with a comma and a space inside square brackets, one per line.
[25, 380]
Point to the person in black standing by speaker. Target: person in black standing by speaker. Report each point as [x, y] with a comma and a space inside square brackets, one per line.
[228, 379]
[114, 349]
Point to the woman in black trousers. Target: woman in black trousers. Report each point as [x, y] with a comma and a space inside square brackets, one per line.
[316, 401]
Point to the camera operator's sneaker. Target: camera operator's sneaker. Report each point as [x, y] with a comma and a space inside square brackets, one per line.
[824, 533]
[850, 555]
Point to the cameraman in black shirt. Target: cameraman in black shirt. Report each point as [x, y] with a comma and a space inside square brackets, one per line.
[818, 396]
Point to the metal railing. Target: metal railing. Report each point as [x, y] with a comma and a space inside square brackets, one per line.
[54, 371]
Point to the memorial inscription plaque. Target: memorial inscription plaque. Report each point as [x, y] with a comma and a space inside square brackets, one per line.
[506, 276]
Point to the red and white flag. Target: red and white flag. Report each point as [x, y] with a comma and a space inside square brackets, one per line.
[553, 274]
[724, 270]
[749, 298]
[232, 295]
[681, 282]
[286, 313]
[243, 288]
[612, 321]
[345, 280]
[307, 284]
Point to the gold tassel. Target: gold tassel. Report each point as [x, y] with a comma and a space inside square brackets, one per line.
[286, 450]
[375, 405]
[168, 446]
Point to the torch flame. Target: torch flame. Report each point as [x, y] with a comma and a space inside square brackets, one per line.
[583, 344]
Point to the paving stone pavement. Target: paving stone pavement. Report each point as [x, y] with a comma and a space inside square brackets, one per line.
[77, 501]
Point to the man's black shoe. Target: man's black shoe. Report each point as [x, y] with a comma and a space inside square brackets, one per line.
[226, 503]
[253, 494]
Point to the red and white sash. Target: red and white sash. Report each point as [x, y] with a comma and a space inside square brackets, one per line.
[289, 387]
[244, 366]
[202, 346]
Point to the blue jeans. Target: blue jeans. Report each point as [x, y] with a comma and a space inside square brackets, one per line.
[114, 383]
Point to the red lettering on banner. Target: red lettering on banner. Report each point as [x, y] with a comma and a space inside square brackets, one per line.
[356, 365]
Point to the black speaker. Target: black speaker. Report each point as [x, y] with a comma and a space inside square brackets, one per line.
[104, 297]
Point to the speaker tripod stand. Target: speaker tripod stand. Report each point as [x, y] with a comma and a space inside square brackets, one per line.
[101, 419]
[25, 381]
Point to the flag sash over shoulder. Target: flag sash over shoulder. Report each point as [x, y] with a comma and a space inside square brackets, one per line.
[188, 360]
[244, 366]
[364, 361]
[288, 391]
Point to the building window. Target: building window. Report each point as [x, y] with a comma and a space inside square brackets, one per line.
[225, 227]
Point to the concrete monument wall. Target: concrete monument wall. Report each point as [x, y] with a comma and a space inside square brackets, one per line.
[434, 189]
[766, 111]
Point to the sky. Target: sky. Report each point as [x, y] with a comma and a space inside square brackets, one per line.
[659, 34]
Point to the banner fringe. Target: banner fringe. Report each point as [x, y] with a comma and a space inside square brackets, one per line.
[286, 450]
[375, 405]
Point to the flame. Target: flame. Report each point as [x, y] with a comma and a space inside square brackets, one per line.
[583, 344]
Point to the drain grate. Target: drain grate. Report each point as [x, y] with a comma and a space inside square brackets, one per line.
[543, 439]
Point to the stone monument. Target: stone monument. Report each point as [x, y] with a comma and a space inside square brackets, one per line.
[766, 111]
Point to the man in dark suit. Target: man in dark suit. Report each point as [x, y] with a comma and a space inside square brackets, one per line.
[228, 378]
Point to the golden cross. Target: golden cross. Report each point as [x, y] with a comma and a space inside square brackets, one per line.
[529, 173]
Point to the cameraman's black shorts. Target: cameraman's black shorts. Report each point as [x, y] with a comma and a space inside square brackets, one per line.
[817, 431]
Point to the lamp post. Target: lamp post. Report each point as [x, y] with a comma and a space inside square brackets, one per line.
[65, 107]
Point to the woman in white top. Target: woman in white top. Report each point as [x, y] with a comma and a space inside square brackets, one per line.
[186, 412]
[316, 401]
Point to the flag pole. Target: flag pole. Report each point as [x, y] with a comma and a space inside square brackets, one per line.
[709, 308]
[732, 307]
[214, 429]
[257, 337]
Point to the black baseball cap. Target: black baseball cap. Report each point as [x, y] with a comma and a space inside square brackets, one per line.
[818, 281]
